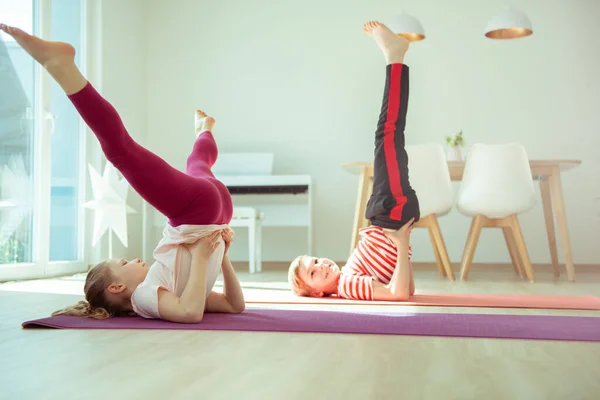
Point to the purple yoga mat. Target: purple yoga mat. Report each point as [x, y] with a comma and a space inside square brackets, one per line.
[456, 325]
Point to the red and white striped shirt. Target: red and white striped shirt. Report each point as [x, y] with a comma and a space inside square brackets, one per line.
[374, 258]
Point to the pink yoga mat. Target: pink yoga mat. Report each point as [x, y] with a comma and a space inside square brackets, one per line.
[438, 300]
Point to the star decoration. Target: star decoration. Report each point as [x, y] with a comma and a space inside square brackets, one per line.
[15, 196]
[109, 204]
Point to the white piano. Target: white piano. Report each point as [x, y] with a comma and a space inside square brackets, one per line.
[284, 200]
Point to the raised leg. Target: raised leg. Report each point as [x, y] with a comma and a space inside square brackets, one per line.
[204, 153]
[58, 58]
[168, 190]
[393, 202]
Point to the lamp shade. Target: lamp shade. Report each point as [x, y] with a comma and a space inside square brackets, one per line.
[509, 24]
[407, 26]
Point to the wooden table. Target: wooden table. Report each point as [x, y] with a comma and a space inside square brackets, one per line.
[547, 172]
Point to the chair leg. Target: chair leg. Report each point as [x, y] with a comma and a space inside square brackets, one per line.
[441, 248]
[252, 246]
[470, 246]
[522, 249]
[259, 246]
[513, 251]
[436, 253]
[365, 188]
[426, 222]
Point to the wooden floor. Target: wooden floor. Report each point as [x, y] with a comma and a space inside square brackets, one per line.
[69, 364]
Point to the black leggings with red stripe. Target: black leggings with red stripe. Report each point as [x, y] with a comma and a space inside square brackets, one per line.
[393, 202]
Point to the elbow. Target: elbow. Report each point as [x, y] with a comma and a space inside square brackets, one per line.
[238, 309]
[402, 297]
[193, 316]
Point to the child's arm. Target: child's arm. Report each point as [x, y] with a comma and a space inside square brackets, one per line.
[232, 298]
[401, 286]
[412, 279]
[189, 308]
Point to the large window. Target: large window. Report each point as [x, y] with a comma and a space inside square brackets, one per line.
[41, 148]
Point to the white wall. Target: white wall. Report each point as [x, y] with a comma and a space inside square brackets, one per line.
[300, 79]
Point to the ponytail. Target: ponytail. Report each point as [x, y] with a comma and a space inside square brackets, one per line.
[84, 309]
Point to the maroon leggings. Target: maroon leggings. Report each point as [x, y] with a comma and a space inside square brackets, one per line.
[195, 197]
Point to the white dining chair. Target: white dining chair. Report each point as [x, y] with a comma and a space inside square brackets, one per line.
[497, 185]
[430, 178]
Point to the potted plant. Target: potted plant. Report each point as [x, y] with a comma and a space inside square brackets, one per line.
[456, 143]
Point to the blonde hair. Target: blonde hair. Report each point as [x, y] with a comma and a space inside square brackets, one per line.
[297, 284]
[97, 304]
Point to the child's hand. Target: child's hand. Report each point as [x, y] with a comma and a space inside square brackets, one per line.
[205, 246]
[401, 237]
[227, 234]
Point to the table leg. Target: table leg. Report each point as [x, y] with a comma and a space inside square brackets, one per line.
[549, 217]
[561, 221]
[365, 188]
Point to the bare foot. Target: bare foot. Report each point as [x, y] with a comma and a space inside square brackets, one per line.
[394, 47]
[49, 54]
[203, 122]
